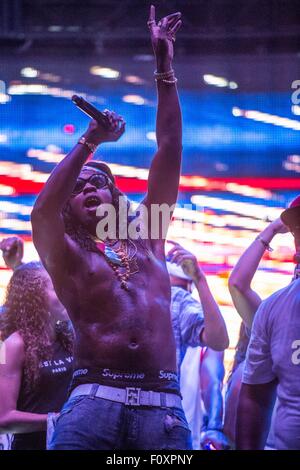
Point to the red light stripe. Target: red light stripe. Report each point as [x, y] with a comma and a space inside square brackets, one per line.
[21, 186]
[135, 185]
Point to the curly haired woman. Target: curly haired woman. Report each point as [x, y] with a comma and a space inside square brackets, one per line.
[38, 357]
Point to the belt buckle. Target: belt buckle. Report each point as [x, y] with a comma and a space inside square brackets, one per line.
[133, 396]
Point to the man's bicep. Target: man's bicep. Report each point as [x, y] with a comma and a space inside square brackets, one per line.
[246, 303]
[163, 180]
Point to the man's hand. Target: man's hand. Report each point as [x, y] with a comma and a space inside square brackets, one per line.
[97, 134]
[214, 439]
[12, 250]
[187, 261]
[163, 36]
[278, 226]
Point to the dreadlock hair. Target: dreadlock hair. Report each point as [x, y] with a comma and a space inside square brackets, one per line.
[26, 312]
[77, 231]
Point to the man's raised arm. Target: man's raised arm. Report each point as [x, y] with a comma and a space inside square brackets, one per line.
[48, 228]
[245, 299]
[165, 168]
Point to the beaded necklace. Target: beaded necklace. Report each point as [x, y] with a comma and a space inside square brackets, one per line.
[120, 260]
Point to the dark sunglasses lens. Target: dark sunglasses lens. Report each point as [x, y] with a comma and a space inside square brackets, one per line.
[99, 181]
[78, 186]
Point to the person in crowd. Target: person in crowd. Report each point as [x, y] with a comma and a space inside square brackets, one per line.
[116, 288]
[12, 251]
[246, 302]
[38, 346]
[200, 336]
[234, 382]
[272, 363]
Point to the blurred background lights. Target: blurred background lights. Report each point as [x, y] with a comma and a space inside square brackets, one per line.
[267, 118]
[4, 98]
[69, 129]
[134, 99]
[105, 72]
[221, 82]
[134, 79]
[151, 136]
[296, 110]
[29, 72]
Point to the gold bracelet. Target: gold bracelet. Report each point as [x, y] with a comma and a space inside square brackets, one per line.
[171, 82]
[89, 145]
[162, 75]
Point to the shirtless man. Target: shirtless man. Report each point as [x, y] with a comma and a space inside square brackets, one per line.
[117, 293]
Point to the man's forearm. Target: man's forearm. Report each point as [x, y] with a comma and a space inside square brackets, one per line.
[215, 332]
[250, 426]
[23, 422]
[254, 415]
[248, 263]
[168, 122]
[62, 179]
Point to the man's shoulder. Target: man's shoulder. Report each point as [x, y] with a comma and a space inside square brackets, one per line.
[282, 293]
[272, 306]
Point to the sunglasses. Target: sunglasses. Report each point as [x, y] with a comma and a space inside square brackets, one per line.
[97, 180]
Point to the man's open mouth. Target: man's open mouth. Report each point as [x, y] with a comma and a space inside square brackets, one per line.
[92, 202]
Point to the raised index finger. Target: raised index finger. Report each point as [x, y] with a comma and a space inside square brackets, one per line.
[152, 13]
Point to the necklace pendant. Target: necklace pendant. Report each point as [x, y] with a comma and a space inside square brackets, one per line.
[113, 256]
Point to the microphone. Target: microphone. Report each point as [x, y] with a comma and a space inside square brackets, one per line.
[90, 110]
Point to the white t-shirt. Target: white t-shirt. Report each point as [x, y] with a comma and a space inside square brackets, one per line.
[274, 353]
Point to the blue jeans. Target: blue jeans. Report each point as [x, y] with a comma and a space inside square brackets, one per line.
[92, 423]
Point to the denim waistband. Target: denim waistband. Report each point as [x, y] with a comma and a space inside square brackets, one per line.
[157, 380]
